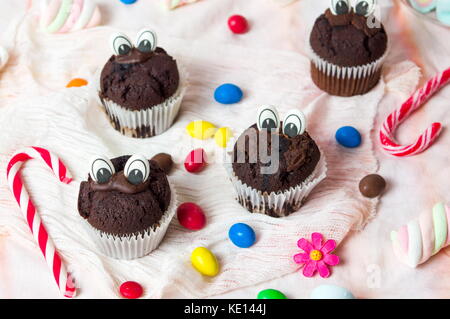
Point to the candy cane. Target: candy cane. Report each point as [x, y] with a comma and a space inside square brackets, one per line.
[424, 237]
[62, 277]
[397, 117]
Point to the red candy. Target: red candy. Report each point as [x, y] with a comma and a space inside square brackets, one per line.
[195, 161]
[191, 216]
[131, 290]
[238, 24]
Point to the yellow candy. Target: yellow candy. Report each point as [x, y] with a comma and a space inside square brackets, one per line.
[204, 261]
[222, 136]
[201, 129]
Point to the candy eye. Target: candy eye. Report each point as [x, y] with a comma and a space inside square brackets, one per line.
[146, 41]
[294, 123]
[268, 118]
[137, 169]
[365, 7]
[120, 44]
[340, 7]
[101, 169]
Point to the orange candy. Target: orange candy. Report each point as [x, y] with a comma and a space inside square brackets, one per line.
[77, 83]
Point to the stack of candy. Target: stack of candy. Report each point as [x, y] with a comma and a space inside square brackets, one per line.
[61, 16]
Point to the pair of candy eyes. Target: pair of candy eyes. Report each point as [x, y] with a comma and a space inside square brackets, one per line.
[137, 169]
[146, 42]
[293, 124]
[362, 7]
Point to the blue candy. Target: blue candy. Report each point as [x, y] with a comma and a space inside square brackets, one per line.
[348, 136]
[228, 94]
[128, 1]
[242, 235]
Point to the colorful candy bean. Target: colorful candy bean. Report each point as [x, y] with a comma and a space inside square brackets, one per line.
[201, 130]
[205, 262]
[238, 24]
[222, 136]
[131, 290]
[228, 94]
[191, 216]
[242, 235]
[271, 294]
[196, 161]
[348, 136]
[77, 83]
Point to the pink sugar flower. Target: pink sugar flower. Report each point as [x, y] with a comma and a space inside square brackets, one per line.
[316, 256]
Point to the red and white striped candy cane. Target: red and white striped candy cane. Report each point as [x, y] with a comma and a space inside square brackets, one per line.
[62, 277]
[398, 116]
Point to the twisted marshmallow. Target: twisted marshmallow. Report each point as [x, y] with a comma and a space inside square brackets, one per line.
[61, 16]
[420, 239]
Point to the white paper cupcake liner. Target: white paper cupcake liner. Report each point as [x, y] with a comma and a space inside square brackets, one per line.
[147, 122]
[134, 245]
[275, 204]
[339, 72]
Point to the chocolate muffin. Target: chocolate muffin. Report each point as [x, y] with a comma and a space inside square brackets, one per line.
[348, 47]
[139, 80]
[298, 157]
[140, 87]
[275, 164]
[126, 200]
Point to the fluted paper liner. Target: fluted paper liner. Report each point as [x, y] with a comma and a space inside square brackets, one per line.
[147, 122]
[345, 81]
[275, 203]
[138, 244]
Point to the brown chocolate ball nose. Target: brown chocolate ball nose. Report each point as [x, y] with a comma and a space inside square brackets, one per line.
[120, 183]
[134, 56]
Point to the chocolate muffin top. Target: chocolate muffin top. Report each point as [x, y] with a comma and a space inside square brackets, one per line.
[348, 39]
[298, 157]
[119, 205]
[139, 80]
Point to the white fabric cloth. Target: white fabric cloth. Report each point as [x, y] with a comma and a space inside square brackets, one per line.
[37, 110]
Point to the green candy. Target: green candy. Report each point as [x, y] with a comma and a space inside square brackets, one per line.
[271, 294]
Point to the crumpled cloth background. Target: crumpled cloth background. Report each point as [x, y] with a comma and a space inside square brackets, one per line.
[269, 64]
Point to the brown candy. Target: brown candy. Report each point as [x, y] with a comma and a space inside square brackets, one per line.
[372, 185]
[340, 19]
[119, 183]
[164, 161]
[135, 56]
